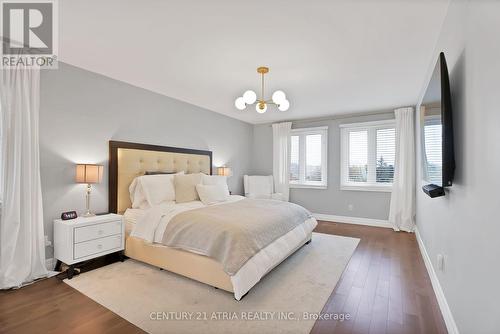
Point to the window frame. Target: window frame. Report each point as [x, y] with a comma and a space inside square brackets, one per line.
[371, 128]
[302, 133]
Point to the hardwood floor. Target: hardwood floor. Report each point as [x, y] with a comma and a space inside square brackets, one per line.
[51, 306]
[384, 289]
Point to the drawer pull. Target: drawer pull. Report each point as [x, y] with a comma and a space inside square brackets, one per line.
[99, 246]
[100, 232]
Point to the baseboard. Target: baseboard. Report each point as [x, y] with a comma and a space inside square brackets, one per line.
[438, 291]
[353, 220]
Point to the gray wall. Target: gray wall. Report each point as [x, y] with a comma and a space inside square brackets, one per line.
[464, 225]
[81, 111]
[333, 201]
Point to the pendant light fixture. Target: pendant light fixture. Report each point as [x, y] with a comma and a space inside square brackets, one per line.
[250, 97]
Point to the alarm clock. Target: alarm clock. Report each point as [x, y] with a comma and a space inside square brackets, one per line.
[69, 215]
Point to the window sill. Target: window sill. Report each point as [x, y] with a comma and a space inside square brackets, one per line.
[306, 186]
[370, 187]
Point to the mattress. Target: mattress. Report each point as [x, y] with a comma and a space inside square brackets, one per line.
[249, 275]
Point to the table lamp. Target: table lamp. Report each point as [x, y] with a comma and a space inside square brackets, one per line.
[224, 171]
[89, 174]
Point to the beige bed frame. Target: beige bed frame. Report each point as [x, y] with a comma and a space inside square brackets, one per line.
[129, 160]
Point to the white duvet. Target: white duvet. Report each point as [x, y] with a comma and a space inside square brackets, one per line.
[151, 223]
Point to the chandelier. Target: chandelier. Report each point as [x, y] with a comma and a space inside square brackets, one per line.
[249, 97]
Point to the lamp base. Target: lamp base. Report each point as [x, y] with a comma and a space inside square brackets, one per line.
[88, 213]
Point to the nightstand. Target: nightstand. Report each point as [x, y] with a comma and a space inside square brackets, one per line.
[86, 238]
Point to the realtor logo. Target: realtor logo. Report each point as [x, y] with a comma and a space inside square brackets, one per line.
[29, 33]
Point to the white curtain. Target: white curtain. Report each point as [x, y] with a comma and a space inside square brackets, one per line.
[402, 211]
[22, 247]
[281, 158]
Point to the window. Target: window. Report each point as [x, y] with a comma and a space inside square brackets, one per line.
[308, 157]
[368, 155]
[433, 150]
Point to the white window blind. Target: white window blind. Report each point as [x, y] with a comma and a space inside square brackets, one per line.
[368, 155]
[308, 157]
[358, 156]
[386, 150]
[313, 158]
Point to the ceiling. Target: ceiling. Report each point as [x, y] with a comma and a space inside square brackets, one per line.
[330, 57]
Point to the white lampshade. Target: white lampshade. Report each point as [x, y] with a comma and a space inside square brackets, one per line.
[224, 171]
[240, 103]
[249, 97]
[261, 111]
[278, 97]
[284, 105]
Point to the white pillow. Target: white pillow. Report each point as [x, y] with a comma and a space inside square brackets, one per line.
[211, 194]
[149, 190]
[214, 179]
[137, 197]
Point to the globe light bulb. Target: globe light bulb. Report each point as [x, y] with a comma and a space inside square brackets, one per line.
[240, 103]
[249, 97]
[284, 105]
[278, 97]
[259, 109]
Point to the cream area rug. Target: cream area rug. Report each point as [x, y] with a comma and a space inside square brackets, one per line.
[284, 301]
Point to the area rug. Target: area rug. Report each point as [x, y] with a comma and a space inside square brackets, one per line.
[287, 300]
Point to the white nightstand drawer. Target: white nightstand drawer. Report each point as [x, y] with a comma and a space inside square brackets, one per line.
[87, 248]
[92, 232]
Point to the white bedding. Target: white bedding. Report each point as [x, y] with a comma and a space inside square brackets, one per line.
[131, 216]
[150, 225]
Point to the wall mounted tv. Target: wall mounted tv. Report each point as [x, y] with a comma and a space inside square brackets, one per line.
[438, 154]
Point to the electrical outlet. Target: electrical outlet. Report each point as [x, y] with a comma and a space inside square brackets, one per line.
[440, 262]
[48, 243]
[350, 207]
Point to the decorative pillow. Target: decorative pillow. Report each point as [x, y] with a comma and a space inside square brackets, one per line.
[211, 194]
[185, 187]
[149, 190]
[214, 179]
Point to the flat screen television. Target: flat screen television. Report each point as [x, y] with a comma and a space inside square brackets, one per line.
[438, 153]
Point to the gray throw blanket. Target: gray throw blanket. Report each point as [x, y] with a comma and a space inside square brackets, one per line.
[234, 232]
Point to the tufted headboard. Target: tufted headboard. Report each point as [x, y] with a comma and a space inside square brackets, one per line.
[129, 160]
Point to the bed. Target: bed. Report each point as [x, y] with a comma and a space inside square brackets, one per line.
[130, 160]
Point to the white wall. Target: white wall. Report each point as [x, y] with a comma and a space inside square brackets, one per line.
[465, 225]
[81, 111]
[330, 201]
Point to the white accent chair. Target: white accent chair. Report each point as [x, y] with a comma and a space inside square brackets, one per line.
[258, 186]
